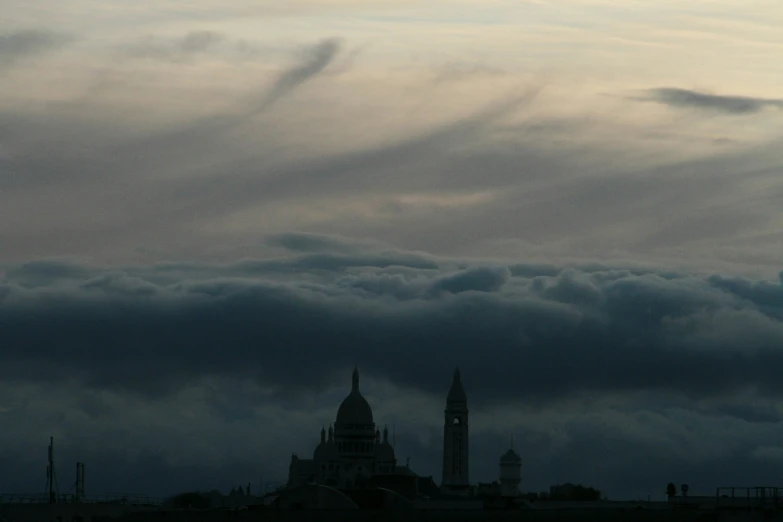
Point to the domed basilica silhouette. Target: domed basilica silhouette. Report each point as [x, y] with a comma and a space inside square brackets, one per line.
[354, 450]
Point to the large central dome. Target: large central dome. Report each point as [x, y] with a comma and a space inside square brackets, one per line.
[355, 409]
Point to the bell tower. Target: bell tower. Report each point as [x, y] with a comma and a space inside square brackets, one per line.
[455, 438]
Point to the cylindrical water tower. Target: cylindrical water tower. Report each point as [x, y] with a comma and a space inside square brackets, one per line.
[510, 473]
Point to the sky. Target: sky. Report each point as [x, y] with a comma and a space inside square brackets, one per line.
[210, 211]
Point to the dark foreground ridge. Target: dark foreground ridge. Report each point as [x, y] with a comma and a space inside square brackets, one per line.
[314, 502]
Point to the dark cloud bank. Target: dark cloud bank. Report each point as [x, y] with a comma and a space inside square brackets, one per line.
[604, 329]
[524, 334]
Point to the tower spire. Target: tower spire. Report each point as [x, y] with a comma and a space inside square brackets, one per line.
[355, 384]
[456, 396]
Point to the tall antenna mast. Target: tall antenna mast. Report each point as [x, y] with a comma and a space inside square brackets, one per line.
[50, 472]
[394, 436]
[80, 481]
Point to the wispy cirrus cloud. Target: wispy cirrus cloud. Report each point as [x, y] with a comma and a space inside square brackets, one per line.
[313, 62]
[177, 49]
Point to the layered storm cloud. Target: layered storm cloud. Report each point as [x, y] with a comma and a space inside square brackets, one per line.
[572, 329]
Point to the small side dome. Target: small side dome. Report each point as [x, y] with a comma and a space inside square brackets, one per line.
[384, 452]
[326, 452]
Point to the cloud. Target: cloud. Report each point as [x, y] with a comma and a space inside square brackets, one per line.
[480, 279]
[313, 61]
[27, 43]
[197, 41]
[683, 98]
[456, 71]
[192, 44]
[600, 330]
[210, 166]
[768, 453]
[308, 242]
[203, 132]
[42, 272]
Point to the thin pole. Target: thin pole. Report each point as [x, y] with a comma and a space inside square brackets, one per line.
[52, 497]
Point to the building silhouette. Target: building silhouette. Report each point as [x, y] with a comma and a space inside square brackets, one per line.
[351, 452]
[510, 473]
[354, 453]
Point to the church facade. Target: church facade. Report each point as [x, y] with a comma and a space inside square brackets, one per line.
[353, 450]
